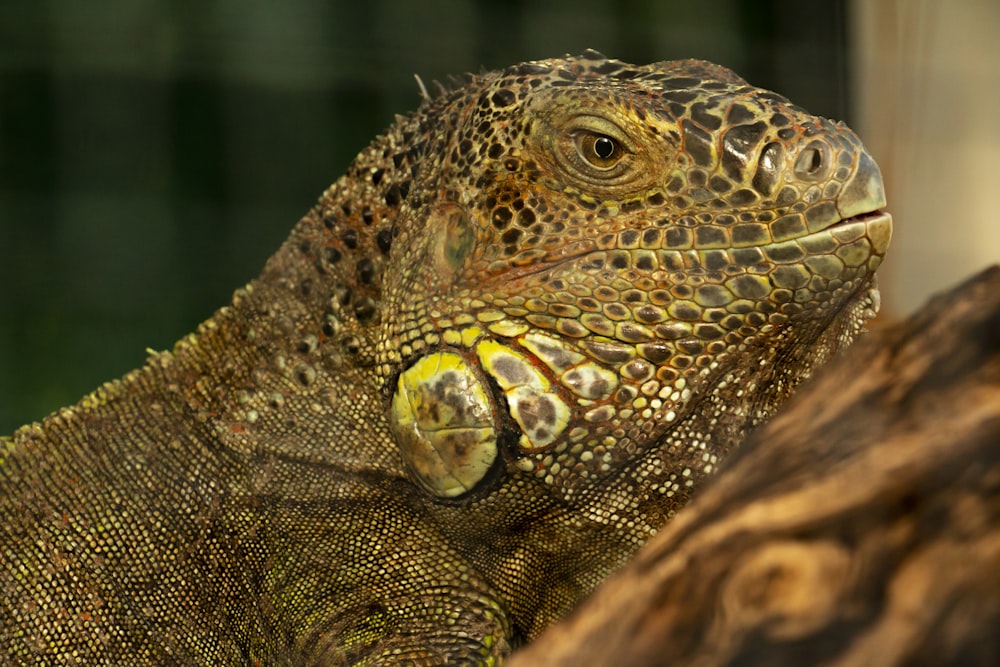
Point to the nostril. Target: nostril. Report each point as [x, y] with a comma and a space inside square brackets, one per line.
[815, 161]
[812, 161]
[765, 179]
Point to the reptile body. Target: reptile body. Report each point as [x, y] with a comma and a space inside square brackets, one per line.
[487, 366]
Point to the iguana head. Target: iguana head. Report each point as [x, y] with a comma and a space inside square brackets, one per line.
[595, 259]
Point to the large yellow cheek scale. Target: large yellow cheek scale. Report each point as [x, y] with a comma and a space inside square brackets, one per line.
[441, 417]
[444, 423]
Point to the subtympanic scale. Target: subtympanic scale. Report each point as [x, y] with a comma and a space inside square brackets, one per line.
[446, 424]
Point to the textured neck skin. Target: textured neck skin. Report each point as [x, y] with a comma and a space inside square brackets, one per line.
[252, 494]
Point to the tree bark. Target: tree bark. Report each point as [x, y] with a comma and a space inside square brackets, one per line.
[861, 526]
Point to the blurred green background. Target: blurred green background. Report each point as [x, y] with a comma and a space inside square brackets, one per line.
[153, 154]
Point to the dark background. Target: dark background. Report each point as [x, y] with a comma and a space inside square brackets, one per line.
[153, 154]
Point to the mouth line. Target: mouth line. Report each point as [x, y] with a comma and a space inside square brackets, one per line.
[547, 261]
[868, 218]
[874, 224]
[861, 217]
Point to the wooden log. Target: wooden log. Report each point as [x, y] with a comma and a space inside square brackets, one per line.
[861, 526]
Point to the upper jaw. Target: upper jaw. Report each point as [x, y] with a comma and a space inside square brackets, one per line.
[864, 192]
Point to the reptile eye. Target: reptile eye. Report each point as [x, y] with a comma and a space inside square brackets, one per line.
[598, 150]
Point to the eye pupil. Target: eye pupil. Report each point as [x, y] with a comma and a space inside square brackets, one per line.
[604, 147]
[597, 154]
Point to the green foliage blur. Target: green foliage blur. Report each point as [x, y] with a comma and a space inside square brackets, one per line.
[153, 153]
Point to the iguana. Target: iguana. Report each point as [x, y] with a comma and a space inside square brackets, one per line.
[497, 355]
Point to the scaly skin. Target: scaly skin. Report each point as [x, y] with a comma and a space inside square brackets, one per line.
[492, 361]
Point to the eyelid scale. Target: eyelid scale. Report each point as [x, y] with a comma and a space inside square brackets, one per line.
[602, 126]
